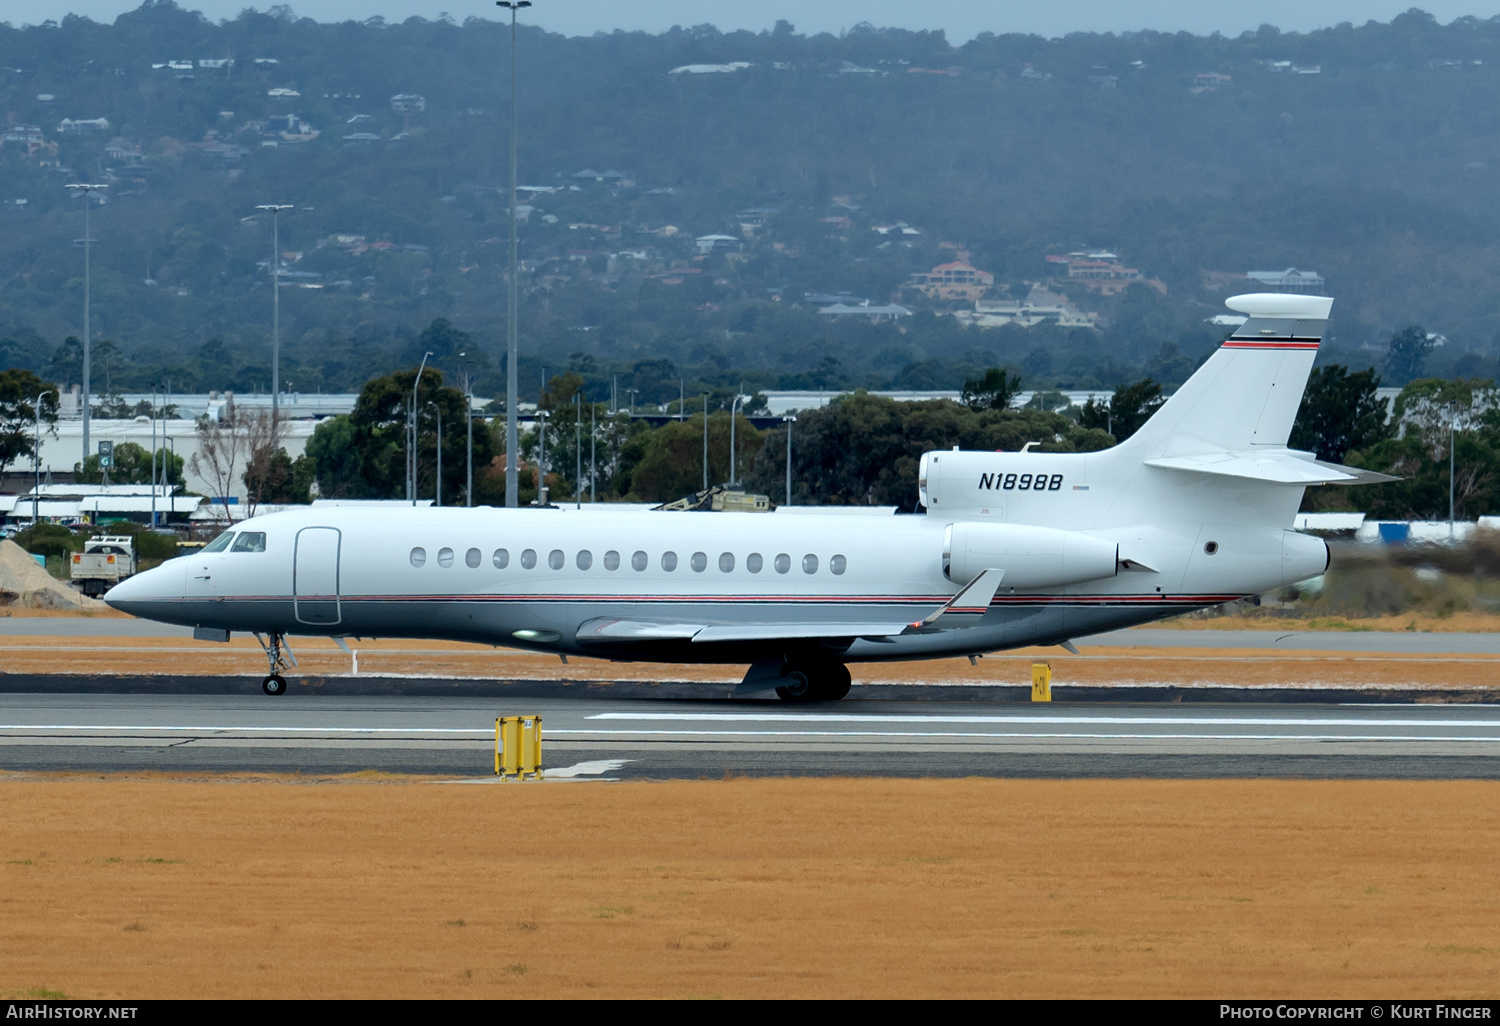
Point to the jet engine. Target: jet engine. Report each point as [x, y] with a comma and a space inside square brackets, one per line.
[1032, 557]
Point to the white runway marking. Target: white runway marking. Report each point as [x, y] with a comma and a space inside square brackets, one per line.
[1233, 721]
[1019, 735]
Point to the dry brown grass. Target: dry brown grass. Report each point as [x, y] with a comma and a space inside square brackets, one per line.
[322, 664]
[390, 887]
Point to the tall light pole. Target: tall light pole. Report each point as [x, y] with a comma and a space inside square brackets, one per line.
[469, 422]
[732, 408]
[705, 441]
[411, 449]
[542, 498]
[439, 411]
[578, 450]
[512, 350]
[36, 490]
[593, 452]
[88, 242]
[788, 420]
[275, 209]
[630, 410]
[1452, 439]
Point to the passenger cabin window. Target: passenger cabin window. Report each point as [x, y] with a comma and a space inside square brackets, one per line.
[418, 556]
[754, 563]
[249, 541]
[528, 559]
[556, 559]
[585, 559]
[501, 559]
[638, 562]
[611, 560]
[699, 562]
[838, 564]
[220, 543]
[669, 561]
[726, 562]
[445, 557]
[809, 564]
[473, 558]
[783, 562]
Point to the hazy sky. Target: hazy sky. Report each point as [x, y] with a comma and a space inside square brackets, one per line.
[962, 19]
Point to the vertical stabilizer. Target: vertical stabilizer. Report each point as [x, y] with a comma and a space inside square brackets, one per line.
[1247, 393]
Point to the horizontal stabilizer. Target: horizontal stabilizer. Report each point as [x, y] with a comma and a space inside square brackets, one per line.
[1284, 466]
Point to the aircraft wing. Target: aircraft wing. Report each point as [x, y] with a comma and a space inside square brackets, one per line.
[1277, 467]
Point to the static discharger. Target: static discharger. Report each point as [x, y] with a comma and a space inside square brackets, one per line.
[1041, 682]
[518, 747]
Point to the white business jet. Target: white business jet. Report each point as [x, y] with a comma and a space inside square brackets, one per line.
[1014, 548]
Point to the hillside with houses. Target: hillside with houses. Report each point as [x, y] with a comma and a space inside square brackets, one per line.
[880, 209]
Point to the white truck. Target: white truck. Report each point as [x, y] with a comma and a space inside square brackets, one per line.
[104, 562]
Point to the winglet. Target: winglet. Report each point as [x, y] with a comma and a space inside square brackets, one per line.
[972, 601]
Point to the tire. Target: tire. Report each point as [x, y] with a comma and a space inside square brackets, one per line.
[837, 683]
[801, 685]
[275, 684]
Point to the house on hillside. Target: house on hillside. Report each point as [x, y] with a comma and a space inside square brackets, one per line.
[707, 244]
[1289, 280]
[408, 103]
[1040, 306]
[957, 279]
[83, 126]
[1208, 81]
[876, 314]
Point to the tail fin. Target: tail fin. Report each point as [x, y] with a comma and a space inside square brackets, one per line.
[1247, 393]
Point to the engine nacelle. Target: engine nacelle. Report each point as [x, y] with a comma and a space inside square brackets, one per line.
[1032, 557]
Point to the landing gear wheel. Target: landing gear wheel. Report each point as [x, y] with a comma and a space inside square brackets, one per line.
[814, 682]
[837, 683]
[799, 686]
[275, 684]
[279, 657]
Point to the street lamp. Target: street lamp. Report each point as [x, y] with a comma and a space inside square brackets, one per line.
[512, 349]
[411, 449]
[36, 490]
[439, 411]
[541, 460]
[469, 422]
[732, 408]
[88, 202]
[630, 410]
[705, 441]
[788, 420]
[578, 450]
[275, 209]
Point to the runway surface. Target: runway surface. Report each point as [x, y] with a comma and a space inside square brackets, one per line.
[587, 737]
[1408, 642]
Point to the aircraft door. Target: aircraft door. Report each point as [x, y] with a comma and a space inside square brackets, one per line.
[315, 576]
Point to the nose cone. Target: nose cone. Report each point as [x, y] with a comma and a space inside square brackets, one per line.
[151, 594]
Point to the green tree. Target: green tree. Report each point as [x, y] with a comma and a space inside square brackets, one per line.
[132, 465]
[273, 476]
[1407, 356]
[19, 394]
[862, 449]
[993, 390]
[1340, 411]
[1129, 408]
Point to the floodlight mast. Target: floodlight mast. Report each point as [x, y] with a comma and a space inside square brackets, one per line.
[512, 448]
[88, 202]
[275, 209]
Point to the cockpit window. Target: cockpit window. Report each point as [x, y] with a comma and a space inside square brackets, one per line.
[249, 541]
[220, 543]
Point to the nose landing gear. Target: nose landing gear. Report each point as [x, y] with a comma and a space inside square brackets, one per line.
[280, 656]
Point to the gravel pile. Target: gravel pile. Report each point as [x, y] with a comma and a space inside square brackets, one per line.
[23, 582]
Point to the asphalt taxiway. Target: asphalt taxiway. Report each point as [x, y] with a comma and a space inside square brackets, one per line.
[654, 738]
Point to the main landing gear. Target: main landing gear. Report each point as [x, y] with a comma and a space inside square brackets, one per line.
[280, 657]
[814, 681]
